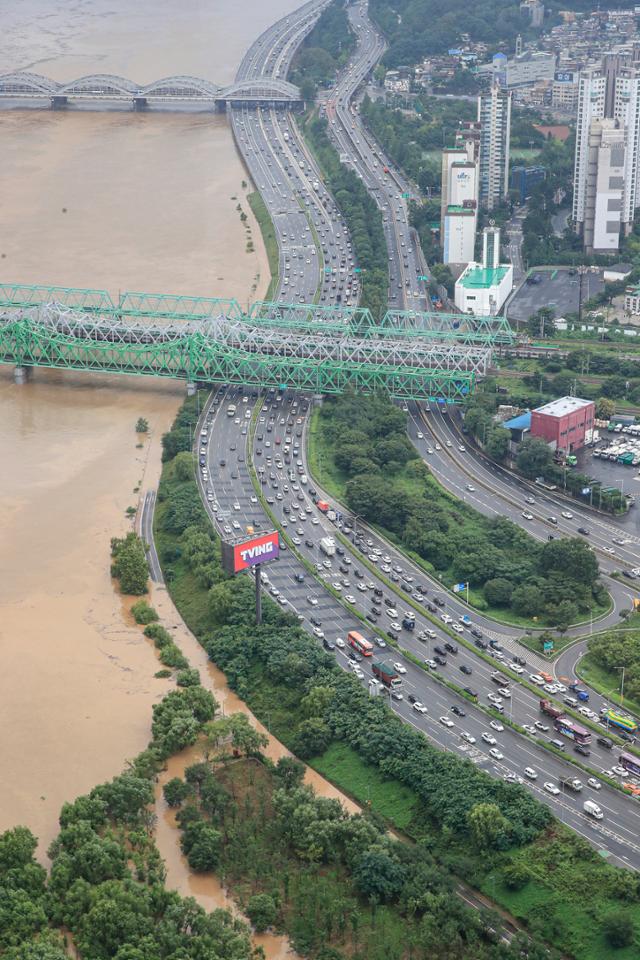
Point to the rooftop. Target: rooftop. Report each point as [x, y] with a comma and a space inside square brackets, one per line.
[456, 208]
[562, 406]
[521, 422]
[481, 279]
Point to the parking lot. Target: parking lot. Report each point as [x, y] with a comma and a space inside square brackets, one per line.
[557, 289]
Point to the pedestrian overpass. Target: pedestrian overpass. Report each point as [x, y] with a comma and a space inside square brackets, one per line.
[306, 347]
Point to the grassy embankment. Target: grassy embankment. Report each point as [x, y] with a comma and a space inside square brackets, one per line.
[269, 238]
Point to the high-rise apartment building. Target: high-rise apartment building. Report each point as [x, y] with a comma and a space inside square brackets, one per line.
[606, 187]
[494, 116]
[459, 203]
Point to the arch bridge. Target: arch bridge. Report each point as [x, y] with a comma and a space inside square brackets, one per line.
[303, 347]
[177, 91]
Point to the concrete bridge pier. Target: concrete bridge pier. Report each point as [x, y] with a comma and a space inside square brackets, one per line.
[21, 374]
[191, 389]
[58, 103]
[140, 103]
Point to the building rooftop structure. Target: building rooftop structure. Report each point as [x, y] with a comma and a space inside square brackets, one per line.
[562, 406]
[482, 278]
[521, 422]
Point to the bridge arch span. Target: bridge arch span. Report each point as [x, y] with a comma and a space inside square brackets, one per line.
[103, 84]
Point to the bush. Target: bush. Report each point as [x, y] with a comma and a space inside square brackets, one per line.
[143, 613]
[188, 678]
[175, 791]
[172, 656]
[201, 844]
[617, 927]
[262, 911]
[129, 564]
[160, 636]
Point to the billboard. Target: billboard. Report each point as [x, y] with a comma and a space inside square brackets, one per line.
[563, 76]
[237, 557]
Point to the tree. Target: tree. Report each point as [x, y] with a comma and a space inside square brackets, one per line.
[497, 592]
[312, 738]
[605, 408]
[176, 791]
[534, 457]
[262, 911]
[618, 928]
[378, 875]
[563, 614]
[17, 847]
[220, 600]
[290, 772]
[142, 425]
[129, 564]
[487, 825]
[201, 844]
[572, 557]
[498, 443]
[516, 875]
[183, 466]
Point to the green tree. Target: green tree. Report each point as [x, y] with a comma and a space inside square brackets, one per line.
[618, 928]
[312, 738]
[184, 465]
[142, 425]
[572, 557]
[534, 457]
[497, 445]
[378, 875]
[516, 875]
[17, 847]
[497, 592]
[605, 408]
[129, 564]
[201, 844]
[176, 791]
[487, 825]
[262, 911]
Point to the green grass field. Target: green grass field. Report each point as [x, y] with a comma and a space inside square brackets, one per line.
[605, 682]
[267, 230]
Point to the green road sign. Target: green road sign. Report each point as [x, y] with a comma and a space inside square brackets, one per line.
[405, 196]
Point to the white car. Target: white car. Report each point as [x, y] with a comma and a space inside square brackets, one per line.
[527, 515]
[550, 688]
[336, 586]
[530, 773]
[399, 668]
[467, 736]
[430, 450]
[516, 668]
[585, 711]
[551, 788]
[496, 754]
[609, 550]
[296, 540]
[504, 692]
[350, 598]
[419, 707]
[496, 725]
[541, 726]
[537, 679]
[568, 516]
[340, 643]
[594, 784]
[420, 435]
[317, 632]
[446, 721]
[488, 738]
[446, 618]
[457, 627]
[391, 612]
[431, 664]
[494, 698]
[313, 601]
[315, 521]
[529, 728]
[361, 586]
[359, 673]
[471, 488]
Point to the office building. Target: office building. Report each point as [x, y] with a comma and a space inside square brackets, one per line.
[483, 288]
[459, 203]
[459, 237]
[523, 179]
[564, 424]
[564, 90]
[605, 183]
[530, 67]
[494, 116]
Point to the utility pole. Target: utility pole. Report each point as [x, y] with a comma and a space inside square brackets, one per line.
[258, 595]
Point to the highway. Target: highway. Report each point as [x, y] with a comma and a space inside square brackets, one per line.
[288, 189]
[232, 502]
[357, 147]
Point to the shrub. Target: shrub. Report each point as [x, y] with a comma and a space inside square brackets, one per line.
[262, 911]
[143, 613]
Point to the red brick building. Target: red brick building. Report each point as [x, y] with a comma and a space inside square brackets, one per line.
[564, 423]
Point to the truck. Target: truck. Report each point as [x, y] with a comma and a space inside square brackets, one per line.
[322, 505]
[328, 546]
[386, 673]
[409, 623]
[620, 720]
[571, 783]
[500, 679]
[579, 692]
[592, 809]
[316, 186]
[550, 709]
[286, 135]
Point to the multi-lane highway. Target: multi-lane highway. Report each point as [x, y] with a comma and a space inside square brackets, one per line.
[332, 595]
[233, 503]
[358, 148]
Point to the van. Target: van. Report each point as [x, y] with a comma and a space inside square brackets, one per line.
[570, 701]
[303, 479]
[605, 742]
[592, 809]
[558, 744]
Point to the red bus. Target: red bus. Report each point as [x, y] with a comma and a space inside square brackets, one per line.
[630, 763]
[359, 643]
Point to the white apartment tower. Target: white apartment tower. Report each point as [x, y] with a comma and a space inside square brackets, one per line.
[494, 115]
[459, 204]
[606, 189]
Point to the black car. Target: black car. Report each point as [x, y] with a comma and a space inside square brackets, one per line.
[313, 491]
[371, 618]
[583, 531]
[300, 577]
[439, 650]
[223, 463]
[439, 602]
[377, 591]
[605, 742]
[465, 669]
[394, 634]
[376, 611]
[431, 607]
[406, 587]
[412, 699]
[451, 647]
[582, 749]
[355, 656]
[343, 569]
[520, 660]
[388, 601]
[309, 543]
[472, 693]
[328, 644]
[495, 645]
[459, 712]
[315, 621]
[358, 573]
[441, 661]
[340, 551]
[481, 644]
[476, 633]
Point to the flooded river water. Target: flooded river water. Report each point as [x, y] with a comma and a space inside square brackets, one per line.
[116, 201]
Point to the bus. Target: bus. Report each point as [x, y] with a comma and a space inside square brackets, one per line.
[630, 763]
[568, 728]
[231, 410]
[621, 720]
[358, 642]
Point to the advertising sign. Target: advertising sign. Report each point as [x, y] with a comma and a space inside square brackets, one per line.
[237, 557]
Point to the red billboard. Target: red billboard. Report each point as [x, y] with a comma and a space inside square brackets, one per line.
[240, 556]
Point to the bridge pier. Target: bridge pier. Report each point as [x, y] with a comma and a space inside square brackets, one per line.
[21, 374]
[58, 103]
[140, 103]
[191, 388]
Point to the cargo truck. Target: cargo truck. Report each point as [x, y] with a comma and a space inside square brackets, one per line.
[328, 546]
[572, 783]
[550, 709]
[386, 673]
[592, 809]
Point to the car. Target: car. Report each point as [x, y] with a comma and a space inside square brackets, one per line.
[504, 692]
[496, 754]
[465, 669]
[583, 531]
[567, 514]
[582, 749]
[312, 600]
[530, 500]
[530, 773]
[471, 488]
[594, 784]
[412, 698]
[496, 725]
[459, 712]
[541, 726]
[446, 721]
[529, 728]
[517, 668]
[488, 738]
[527, 515]
[317, 632]
[359, 673]
[467, 736]
[551, 788]
[537, 679]
[446, 618]
[419, 707]
[396, 695]
[399, 668]
[620, 771]
[350, 598]
[457, 627]
[553, 520]
[431, 664]
[379, 642]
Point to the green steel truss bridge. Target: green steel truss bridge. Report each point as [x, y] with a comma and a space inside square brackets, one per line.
[200, 340]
